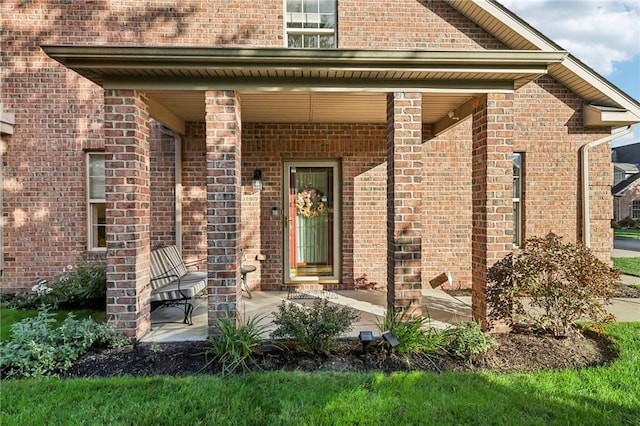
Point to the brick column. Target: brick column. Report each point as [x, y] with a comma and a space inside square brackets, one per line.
[404, 198]
[223, 128]
[126, 122]
[492, 191]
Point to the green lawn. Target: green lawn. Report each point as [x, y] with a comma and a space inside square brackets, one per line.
[10, 316]
[626, 233]
[627, 265]
[591, 396]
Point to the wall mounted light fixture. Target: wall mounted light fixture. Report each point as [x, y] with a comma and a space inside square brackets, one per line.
[452, 115]
[256, 182]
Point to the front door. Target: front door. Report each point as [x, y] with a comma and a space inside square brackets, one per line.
[311, 221]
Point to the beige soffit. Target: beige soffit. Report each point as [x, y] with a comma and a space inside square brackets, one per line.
[190, 68]
[588, 84]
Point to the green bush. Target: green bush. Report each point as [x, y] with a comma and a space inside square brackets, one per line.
[233, 343]
[36, 348]
[562, 282]
[315, 328]
[467, 340]
[82, 286]
[415, 335]
[629, 222]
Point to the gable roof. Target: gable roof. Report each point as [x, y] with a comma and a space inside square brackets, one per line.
[608, 105]
[620, 187]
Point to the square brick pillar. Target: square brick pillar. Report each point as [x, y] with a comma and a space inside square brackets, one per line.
[404, 201]
[223, 140]
[127, 193]
[492, 191]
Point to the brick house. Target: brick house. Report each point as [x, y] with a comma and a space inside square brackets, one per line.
[400, 139]
[626, 182]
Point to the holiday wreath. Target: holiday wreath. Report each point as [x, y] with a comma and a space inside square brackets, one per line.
[309, 202]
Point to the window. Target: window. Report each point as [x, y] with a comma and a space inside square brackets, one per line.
[635, 209]
[311, 24]
[97, 229]
[517, 198]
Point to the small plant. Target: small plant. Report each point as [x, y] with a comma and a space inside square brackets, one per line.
[414, 335]
[466, 340]
[315, 328]
[36, 348]
[82, 286]
[562, 283]
[233, 344]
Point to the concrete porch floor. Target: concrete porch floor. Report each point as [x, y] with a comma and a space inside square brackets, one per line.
[443, 309]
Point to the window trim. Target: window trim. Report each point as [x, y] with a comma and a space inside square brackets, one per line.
[634, 206]
[518, 228]
[91, 244]
[309, 31]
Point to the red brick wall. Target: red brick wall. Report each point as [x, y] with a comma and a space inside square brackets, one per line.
[446, 242]
[401, 24]
[194, 193]
[163, 175]
[548, 129]
[361, 151]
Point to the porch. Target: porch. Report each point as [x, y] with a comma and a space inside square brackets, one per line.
[443, 309]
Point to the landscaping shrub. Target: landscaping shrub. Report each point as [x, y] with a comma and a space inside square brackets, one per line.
[36, 348]
[629, 222]
[315, 328]
[233, 343]
[467, 340]
[415, 335]
[82, 286]
[563, 283]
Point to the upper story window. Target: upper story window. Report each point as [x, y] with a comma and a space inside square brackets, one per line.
[311, 24]
[97, 218]
[517, 198]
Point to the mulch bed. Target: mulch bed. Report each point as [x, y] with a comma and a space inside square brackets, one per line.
[520, 350]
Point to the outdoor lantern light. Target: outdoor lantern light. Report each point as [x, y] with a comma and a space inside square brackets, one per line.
[366, 337]
[256, 182]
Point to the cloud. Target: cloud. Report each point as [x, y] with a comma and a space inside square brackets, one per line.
[598, 32]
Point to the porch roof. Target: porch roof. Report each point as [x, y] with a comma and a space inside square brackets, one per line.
[300, 85]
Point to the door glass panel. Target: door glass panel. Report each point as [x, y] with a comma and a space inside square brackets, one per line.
[311, 222]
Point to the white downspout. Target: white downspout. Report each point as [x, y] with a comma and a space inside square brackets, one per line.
[586, 210]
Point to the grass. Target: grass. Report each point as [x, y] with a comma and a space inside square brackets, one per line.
[590, 396]
[10, 316]
[627, 265]
[626, 233]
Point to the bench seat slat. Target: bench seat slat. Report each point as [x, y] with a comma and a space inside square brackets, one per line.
[190, 285]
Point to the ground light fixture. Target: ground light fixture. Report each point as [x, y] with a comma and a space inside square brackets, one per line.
[366, 337]
[391, 340]
[256, 181]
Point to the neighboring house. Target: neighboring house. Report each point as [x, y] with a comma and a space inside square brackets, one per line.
[399, 139]
[626, 181]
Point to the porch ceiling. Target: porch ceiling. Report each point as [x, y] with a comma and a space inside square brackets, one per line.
[291, 85]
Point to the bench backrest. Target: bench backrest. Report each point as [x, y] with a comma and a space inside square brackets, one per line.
[166, 263]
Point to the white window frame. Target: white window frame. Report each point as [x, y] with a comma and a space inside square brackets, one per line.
[517, 201]
[92, 244]
[309, 17]
[635, 209]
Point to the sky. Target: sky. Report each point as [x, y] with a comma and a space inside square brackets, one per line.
[604, 34]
